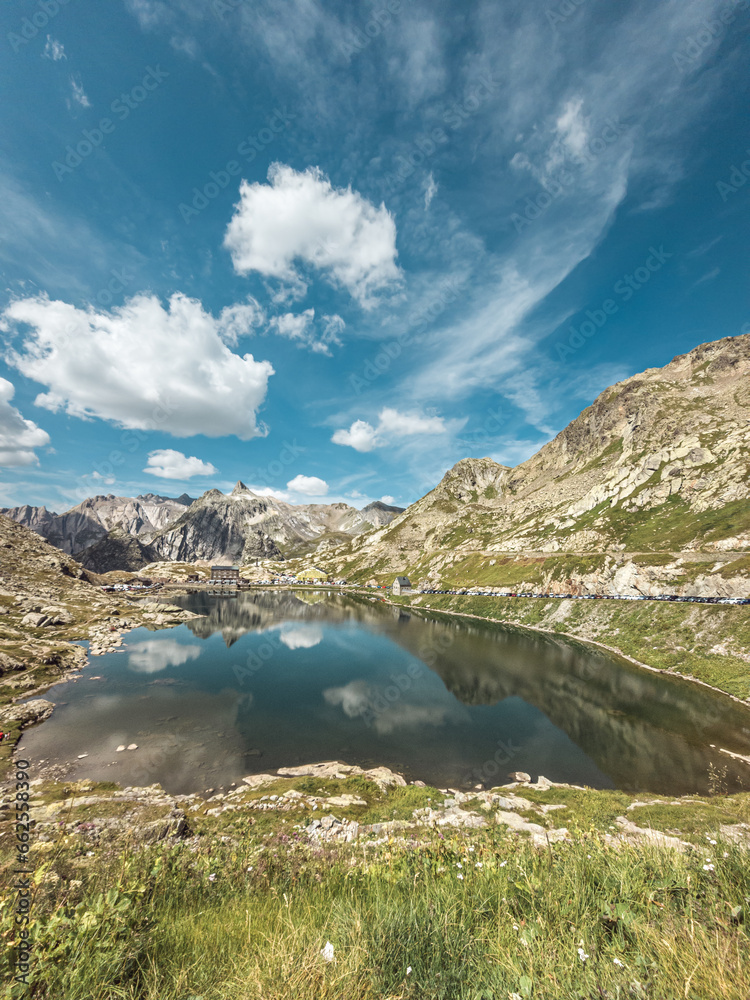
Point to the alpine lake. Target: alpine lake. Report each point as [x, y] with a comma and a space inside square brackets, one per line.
[270, 679]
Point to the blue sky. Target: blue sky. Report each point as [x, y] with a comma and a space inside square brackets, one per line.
[330, 249]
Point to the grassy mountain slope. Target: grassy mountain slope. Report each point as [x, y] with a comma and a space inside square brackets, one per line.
[655, 473]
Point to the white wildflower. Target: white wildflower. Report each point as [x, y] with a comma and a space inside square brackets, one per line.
[212, 877]
[479, 865]
[471, 848]
[515, 927]
[503, 864]
[327, 952]
[582, 955]
[460, 876]
[618, 963]
[709, 867]
[459, 865]
[408, 970]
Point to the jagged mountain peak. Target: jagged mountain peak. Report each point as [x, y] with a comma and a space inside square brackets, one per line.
[378, 505]
[212, 494]
[472, 478]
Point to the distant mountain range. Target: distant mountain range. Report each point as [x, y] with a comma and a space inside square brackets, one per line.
[647, 490]
[108, 532]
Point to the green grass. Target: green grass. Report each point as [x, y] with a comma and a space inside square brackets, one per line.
[149, 924]
[738, 567]
[135, 922]
[673, 525]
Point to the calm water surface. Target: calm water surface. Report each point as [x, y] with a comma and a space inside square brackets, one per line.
[267, 680]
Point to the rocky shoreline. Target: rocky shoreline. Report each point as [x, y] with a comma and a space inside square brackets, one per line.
[149, 815]
[105, 636]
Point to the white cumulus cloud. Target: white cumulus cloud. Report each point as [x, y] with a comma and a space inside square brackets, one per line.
[362, 436]
[270, 491]
[141, 365]
[309, 485]
[293, 326]
[170, 464]
[300, 216]
[18, 437]
[239, 320]
[388, 500]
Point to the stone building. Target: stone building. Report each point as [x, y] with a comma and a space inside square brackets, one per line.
[225, 574]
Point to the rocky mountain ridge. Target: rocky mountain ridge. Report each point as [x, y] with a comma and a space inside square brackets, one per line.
[244, 527]
[659, 465]
[90, 521]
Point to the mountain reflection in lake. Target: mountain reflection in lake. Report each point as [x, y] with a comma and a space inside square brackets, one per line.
[270, 679]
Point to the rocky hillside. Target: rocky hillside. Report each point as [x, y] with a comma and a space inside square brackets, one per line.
[657, 466]
[90, 521]
[48, 603]
[117, 551]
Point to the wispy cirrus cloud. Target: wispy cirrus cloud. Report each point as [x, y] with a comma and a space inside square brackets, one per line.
[54, 50]
[302, 330]
[559, 124]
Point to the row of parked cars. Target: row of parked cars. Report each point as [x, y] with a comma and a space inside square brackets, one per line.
[484, 592]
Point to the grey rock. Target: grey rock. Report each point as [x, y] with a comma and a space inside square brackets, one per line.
[26, 715]
[10, 663]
